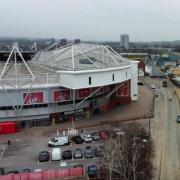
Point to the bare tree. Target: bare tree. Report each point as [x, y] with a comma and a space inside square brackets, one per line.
[126, 155]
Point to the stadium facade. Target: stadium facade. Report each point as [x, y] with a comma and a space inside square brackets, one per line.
[65, 84]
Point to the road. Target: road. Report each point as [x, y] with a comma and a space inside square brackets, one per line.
[167, 135]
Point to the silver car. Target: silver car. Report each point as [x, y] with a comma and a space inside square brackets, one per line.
[78, 153]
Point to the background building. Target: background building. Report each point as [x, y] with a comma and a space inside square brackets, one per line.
[63, 42]
[141, 57]
[77, 41]
[125, 41]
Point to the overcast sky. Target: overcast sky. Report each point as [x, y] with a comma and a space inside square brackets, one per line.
[143, 20]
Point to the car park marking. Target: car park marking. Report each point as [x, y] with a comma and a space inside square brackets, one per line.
[3, 149]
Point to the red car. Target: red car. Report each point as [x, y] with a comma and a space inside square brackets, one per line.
[103, 135]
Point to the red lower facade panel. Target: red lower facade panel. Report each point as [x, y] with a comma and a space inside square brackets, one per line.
[7, 177]
[46, 175]
[63, 173]
[76, 171]
[125, 100]
[35, 176]
[7, 127]
[17, 177]
[49, 174]
[24, 176]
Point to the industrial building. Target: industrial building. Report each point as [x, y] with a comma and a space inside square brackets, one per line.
[65, 84]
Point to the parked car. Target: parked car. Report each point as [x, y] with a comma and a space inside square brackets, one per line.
[165, 84]
[141, 83]
[56, 154]
[92, 171]
[67, 154]
[153, 86]
[77, 139]
[103, 135]
[13, 172]
[88, 152]
[86, 137]
[2, 171]
[170, 98]
[178, 118]
[63, 164]
[38, 170]
[78, 153]
[98, 152]
[95, 136]
[59, 141]
[119, 131]
[44, 156]
[26, 170]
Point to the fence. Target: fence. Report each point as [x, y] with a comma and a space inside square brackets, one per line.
[68, 173]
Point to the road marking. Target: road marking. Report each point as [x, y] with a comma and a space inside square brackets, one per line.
[4, 147]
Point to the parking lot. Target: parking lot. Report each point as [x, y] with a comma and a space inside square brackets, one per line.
[24, 152]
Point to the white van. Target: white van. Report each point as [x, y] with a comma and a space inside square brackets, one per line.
[58, 141]
[56, 154]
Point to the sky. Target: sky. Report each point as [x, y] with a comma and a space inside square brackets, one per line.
[99, 20]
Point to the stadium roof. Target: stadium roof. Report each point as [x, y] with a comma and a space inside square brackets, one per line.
[80, 57]
[45, 66]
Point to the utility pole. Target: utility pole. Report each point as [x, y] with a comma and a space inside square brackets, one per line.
[149, 136]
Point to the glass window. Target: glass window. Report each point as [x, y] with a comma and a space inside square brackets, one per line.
[89, 80]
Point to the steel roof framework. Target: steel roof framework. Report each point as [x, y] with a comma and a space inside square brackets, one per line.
[69, 56]
[4, 81]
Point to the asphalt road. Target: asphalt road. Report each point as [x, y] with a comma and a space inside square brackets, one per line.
[170, 154]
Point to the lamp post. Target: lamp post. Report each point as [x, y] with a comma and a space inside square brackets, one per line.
[149, 136]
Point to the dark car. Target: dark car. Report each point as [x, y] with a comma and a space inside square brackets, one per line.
[78, 153]
[88, 152]
[141, 83]
[2, 171]
[98, 152]
[77, 139]
[67, 154]
[44, 156]
[92, 171]
[178, 118]
[27, 170]
[95, 136]
[13, 172]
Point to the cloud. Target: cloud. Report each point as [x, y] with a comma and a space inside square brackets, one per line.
[143, 20]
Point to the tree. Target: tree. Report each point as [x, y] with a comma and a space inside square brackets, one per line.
[126, 153]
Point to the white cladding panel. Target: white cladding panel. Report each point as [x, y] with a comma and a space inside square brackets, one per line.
[99, 78]
[134, 78]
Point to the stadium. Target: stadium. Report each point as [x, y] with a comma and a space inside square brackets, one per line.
[64, 84]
